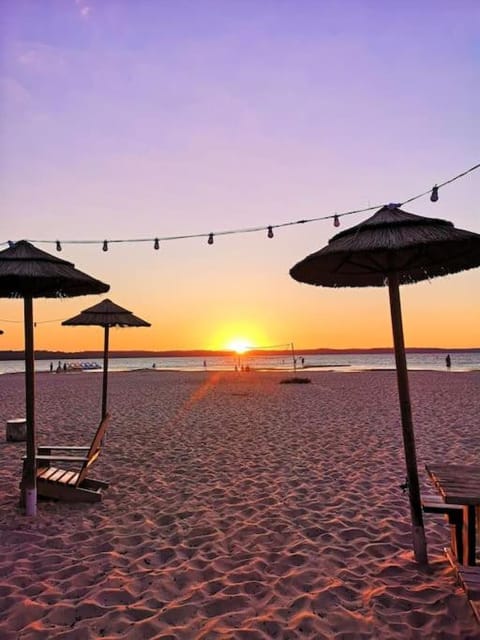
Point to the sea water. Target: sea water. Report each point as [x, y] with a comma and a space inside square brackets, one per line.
[345, 362]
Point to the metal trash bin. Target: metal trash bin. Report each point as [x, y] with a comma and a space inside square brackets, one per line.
[16, 430]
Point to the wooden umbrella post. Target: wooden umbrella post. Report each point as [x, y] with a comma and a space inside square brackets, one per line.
[418, 531]
[29, 481]
[105, 373]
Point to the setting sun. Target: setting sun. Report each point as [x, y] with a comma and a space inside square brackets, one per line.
[238, 335]
[240, 345]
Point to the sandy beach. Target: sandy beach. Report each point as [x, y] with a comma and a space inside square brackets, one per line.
[238, 508]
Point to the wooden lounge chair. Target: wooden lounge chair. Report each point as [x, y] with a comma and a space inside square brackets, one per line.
[70, 483]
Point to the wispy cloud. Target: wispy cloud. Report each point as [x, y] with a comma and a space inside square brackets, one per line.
[84, 8]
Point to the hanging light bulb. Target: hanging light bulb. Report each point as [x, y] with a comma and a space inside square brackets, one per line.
[270, 232]
[156, 244]
[434, 196]
[210, 239]
[59, 246]
[105, 246]
[336, 221]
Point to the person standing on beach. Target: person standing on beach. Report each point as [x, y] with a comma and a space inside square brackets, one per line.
[448, 361]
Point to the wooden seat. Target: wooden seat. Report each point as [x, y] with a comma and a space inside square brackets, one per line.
[70, 483]
[456, 517]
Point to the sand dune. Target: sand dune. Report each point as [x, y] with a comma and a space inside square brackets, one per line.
[239, 508]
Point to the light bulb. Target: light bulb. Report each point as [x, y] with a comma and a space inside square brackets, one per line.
[434, 196]
[210, 239]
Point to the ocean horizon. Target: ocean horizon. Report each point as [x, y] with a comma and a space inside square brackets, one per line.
[461, 360]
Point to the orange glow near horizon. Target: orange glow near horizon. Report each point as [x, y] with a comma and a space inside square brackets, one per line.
[443, 313]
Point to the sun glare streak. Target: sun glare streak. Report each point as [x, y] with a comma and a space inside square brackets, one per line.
[197, 395]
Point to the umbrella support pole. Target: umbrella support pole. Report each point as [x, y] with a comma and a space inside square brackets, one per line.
[30, 502]
[418, 531]
[105, 374]
[29, 482]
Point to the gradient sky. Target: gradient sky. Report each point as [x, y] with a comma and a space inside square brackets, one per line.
[136, 119]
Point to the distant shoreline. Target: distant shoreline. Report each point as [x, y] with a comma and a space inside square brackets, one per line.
[203, 353]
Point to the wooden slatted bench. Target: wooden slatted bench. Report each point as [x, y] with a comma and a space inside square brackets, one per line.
[460, 484]
[469, 579]
[455, 513]
[471, 583]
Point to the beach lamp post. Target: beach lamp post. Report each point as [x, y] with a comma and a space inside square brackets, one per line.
[392, 248]
[28, 272]
[106, 314]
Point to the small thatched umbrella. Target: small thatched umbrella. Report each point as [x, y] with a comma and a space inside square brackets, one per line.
[392, 248]
[106, 314]
[27, 272]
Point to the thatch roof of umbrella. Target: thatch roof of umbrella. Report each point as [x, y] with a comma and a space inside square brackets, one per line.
[107, 314]
[415, 247]
[394, 247]
[28, 272]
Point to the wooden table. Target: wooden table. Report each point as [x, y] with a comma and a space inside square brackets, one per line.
[460, 484]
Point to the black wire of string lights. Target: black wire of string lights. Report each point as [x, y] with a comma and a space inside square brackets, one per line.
[433, 192]
[35, 323]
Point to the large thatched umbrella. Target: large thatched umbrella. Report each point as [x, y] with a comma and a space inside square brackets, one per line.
[27, 272]
[392, 248]
[106, 314]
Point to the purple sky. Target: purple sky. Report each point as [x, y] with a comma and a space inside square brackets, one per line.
[142, 119]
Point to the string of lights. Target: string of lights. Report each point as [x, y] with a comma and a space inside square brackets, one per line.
[38, 322]
[35, 323]
[433, 192]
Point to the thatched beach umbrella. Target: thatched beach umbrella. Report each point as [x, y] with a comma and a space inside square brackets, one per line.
[394, 247]
[106, 314]
[27, 272]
